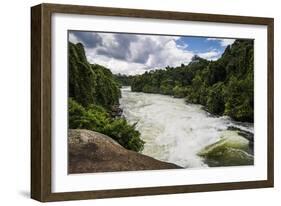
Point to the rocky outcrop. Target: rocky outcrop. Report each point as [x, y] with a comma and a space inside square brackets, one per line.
[232, 149]
[116, 111]
[94, 152]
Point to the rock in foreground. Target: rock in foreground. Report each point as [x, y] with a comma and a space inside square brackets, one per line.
[94, 152]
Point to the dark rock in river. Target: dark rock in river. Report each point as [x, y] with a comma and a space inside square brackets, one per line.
[94, 152]
[248, 135]
[116, 111]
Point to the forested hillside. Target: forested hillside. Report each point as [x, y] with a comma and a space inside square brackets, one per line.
[224, 87]
[93, 95]
[90, 84]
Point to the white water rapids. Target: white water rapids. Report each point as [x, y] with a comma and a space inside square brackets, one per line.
[174, 131]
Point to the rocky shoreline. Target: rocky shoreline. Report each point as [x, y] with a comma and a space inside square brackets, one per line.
[91, 151]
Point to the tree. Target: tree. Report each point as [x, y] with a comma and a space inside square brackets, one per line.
[93, 91]
[215, 101]
[224, 86]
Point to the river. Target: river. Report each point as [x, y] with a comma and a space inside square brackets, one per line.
[177, 132]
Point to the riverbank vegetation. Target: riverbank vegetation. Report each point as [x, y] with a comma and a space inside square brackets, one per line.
[93, 94]
[223, 87]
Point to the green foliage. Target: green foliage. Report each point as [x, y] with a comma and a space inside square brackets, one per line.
[107, 90]
[97, 119]
[123, 80]
[224, 86]
[125, 134]
[82, 81]
[239, 100]
[93, 93]
[180, 91]
[215, 100]
[90, 84]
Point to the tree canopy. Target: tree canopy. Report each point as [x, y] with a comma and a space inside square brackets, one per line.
[224, 86]
[93, 93]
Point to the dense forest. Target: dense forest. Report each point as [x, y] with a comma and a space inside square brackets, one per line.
[94, 95]
[123, 80]
[223, 87]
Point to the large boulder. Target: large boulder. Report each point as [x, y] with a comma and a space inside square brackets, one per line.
[231, 149]
[94, 152]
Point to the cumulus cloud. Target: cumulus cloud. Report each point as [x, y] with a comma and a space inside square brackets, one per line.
[132, 54]
[135, 54]
[223, 42]
[210, 55]
[116, 45]
[89, 39]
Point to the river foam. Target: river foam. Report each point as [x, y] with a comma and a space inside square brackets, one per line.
[174, 131]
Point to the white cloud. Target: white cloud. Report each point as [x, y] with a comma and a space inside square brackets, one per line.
[210, 55]
[117, 66]
[226, 42]
[73, 38]
[223, 42]
[135, 54]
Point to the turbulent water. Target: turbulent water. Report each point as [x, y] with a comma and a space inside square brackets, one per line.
[174, 131]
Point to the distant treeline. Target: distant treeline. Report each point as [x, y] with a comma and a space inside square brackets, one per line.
[124, 80]
[93, 94]
[223, 87]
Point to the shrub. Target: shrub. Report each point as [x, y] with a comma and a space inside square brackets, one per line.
[96, 118]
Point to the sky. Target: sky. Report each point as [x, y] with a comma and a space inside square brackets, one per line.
[133, 54]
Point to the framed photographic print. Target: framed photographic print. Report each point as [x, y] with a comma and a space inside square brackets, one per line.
[130, 102]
